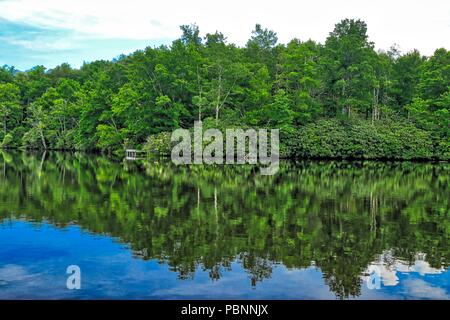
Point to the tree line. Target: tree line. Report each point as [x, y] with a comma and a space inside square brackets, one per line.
[341, 98]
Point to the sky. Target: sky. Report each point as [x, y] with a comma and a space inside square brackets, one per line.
[50, 32]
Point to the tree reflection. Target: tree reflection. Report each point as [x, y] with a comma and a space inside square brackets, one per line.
[337, 215]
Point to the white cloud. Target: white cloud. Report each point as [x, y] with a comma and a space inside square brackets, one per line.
[424, 25]
[420, 266]
[41, 44]
[419, 289]
[12, 272]
[388, 266]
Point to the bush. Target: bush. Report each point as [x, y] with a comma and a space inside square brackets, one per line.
[31, 139]
[159, 144]
[443, 149]
[347, 139]
[332, 138]
[7, 139]
[109, 139]
[17, 134]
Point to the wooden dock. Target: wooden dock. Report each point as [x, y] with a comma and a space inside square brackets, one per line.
[133, 154]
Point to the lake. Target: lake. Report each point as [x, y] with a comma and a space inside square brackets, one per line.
[152, 230]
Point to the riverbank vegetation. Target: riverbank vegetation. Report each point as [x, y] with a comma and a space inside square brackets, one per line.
[339, 99]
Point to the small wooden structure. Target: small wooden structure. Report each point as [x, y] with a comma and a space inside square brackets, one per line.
[132, 154]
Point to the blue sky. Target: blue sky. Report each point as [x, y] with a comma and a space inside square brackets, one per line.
[50, 32]
[24, 46]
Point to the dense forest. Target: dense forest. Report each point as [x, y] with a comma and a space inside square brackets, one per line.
[337, 99]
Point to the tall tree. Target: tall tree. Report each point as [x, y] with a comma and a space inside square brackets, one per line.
[348, 73]
[9, 104]
[405, 77]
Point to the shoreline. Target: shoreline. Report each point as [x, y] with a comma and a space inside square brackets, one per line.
[291, 159]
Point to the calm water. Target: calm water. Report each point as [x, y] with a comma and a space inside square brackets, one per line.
[316, 230]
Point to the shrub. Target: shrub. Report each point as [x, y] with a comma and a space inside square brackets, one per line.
[332, 138]
[109, 138]
[31, 139]
[159, 144]
[7, 139]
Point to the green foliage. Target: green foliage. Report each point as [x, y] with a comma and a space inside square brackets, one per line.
[278, 114]
[159, 144]
[361, 139]
[109, 138]
[340, 215]
[17, 134]
[9, 105]
[7, 139]
[109, 105]
[406, 76]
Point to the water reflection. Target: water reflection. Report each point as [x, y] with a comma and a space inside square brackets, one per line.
[334, 220]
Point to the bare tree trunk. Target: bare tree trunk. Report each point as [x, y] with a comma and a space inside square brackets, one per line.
[215, 200]
[198, 199]
[219, 94]
[200, 88]
[375, 109]
[345, 109]
[374, 106]
[374, 201]
[41, 133]
[41, 165]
